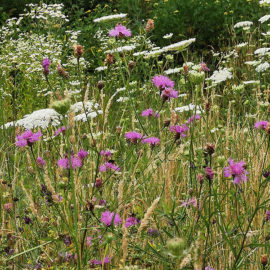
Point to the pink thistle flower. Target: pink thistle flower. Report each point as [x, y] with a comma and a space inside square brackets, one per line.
[192, 118]
[104, 261]
[111, 166]
[131, 221]
[153, 141]
[162, 82]
[107, 217]
[204, 67]
[169, 93]
[75, 162]
[237, 171]
[180, 131]
[209, 173]
[8, 206]
[191, 201]
[149, 112]
[133, 136]
[40, 162]
[102, 168]
[28, 138]
[120, 31]
[261, 125]
[106, 153]
[88, 241]
[60, 130]
[82, 154]
[267, 215]
[45, 64]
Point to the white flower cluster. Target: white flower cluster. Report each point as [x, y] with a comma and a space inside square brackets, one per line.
[220, 76]
[110, 18]
[262, 51]
[265, 2]
[48, 117]
[264, 18]
[189, 107]
[244, 24]
[262, 67]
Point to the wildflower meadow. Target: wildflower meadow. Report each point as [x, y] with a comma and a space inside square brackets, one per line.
[132, 155]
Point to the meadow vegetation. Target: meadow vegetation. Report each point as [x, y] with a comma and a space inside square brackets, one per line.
[127, 155]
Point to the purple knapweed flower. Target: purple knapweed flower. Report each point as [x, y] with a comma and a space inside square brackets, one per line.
[149, 113]
[88, 241]
[112, 166]
[40, 162]
[107, 217]
[267, 215]
[237, 171]
[28, 138]
[191, 201]
[261, 124]
[266, 174]
[45, 64]
[209, 173]
[180, 131]
[60, 130]
[133, 136]
[162, 82]
[153, 232]
[209, 268]
[131, 221]
[120, 31]
[153, 141]
[105, 153]
[169, 93]
[82, 154]
[75, 162]
[8, 206]
[192, 118]
[104, 261]
[204, 67]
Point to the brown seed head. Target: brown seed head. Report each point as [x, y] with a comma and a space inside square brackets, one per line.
[150, 25]
[264, 260]
[109, 59]
[78, 51]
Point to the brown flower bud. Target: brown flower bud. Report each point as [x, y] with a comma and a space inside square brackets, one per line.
[209, 149]
[109, 59]
[98, 182]
[8, 206]
[200, 178]
[267, 128]
[94, 143]
[84, 136]
[89, 206]
[167, 122]
[150, 25]
[185, 70]
[118, 130]
[131, 65]
[207, 106]
[190, 191]
[78, 51]
[61, 72]
[264, 260]
[100, 85]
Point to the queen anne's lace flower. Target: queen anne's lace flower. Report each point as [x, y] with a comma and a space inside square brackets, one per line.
[110, 17]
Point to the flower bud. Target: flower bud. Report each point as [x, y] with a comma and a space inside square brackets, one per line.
[150, 25]
[78, 51]
[8, 206]
[61, 106]
[100, 85]
[98, 183]
[131, 65]
[109, 59]
[264, 260]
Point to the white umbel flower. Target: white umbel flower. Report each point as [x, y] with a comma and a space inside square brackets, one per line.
[179, 46]
[172, 71]
[241, 45]
[110, 17]
[262, 51]
[220, 76]
[168, 36]
[244, 24]
[265, 2]
[101, 68]
[122, 49]
[262, 67]
[264, 18]
[189, 107]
